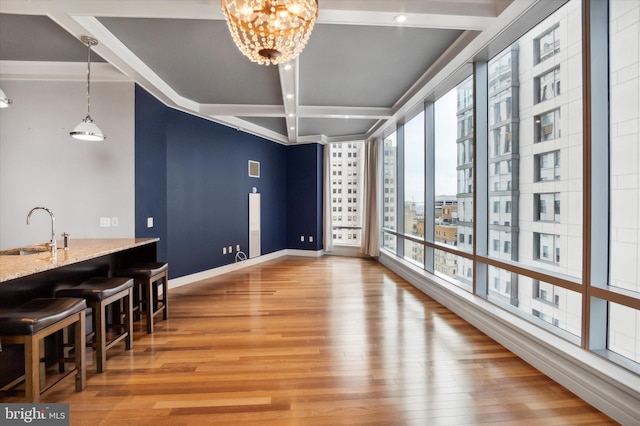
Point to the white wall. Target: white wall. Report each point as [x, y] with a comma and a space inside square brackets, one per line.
[41, 165]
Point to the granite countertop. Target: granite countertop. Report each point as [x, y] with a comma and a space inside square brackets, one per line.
[15, 266]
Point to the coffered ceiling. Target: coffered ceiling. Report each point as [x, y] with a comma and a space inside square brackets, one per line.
[359, 72]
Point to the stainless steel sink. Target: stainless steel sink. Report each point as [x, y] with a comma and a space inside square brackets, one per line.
[24, 251]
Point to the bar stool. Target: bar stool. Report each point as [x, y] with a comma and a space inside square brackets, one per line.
[99, 293]
[30, 323]
[148, 277]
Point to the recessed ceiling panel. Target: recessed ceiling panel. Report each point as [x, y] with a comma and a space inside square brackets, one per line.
[278, 125]
[198, 59]
[357, 65]
[333, 126]
[38, 38]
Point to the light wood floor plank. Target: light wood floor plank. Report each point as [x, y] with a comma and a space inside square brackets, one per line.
[328, 341]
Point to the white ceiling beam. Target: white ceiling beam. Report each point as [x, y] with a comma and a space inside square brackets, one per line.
[289, 87]
[343, 112]
[197, 9]
[71, 71]
[242, 110]
[456, 22]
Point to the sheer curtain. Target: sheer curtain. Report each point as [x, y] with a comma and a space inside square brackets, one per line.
[370, 229]
[327, 234]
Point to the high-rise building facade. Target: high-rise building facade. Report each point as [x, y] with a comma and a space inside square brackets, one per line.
[346, 192]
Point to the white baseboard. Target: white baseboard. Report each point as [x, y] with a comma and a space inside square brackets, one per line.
[210, 273]
[610, 388]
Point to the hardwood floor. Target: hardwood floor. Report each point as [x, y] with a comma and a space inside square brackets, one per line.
[308, 341]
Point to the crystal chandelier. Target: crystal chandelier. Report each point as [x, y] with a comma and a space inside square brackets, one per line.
[270, 32]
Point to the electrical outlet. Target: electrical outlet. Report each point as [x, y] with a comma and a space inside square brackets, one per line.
[238, 247]
[149, 222]
[114, 221]
[310, 238]
[105, 222]
[224, 250]
[230, 249]
[302, 238]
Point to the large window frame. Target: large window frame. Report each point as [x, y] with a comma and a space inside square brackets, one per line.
[592, 286]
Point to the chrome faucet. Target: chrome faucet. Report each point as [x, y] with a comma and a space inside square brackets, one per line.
[52, 244]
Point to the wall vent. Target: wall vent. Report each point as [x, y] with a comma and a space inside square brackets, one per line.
[254, 169]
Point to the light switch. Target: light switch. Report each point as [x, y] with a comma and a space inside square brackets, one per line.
[149, 222]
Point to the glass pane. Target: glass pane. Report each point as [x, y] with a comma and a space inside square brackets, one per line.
[535, 148]
[624, 255]
[624, 331]
[455, 268]
[453, 157]
[414, 252]
[389, 241]
[537, 300]
[346, 192]
[414, 176]
[389, 196]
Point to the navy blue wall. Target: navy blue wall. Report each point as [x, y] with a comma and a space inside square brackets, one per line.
[192, 177]
[304, 191]
[151, 169]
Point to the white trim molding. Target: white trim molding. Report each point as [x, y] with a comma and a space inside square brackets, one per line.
[210, 273]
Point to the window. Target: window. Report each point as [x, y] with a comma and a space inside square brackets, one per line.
[414, 176]
[547, 85]
[543, 204]
[547, 166]
[389, 170]
[624, 186]
[341, 234]
[547, 45]
[507, 246]
[547, 126]
[547, 247]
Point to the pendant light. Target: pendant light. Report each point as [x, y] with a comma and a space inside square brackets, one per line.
[87, 130]
[4, 101]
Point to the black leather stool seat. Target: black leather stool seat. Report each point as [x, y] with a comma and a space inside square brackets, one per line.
[144, 270]
[101, 292]
[97, 289]
[38, 314]
[30, 323]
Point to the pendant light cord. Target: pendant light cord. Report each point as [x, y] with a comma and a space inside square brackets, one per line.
[89, 79]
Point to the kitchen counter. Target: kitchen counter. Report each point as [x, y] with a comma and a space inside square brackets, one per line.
[30, 276]
[16, 266]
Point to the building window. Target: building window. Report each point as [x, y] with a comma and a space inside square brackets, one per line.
[547, 207]
[547, 45]
[547, 166]
[547, 247]
[547, 126]
[547, 85]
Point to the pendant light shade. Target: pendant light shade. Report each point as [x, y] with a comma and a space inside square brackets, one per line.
[87, 130]
[4, 101]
